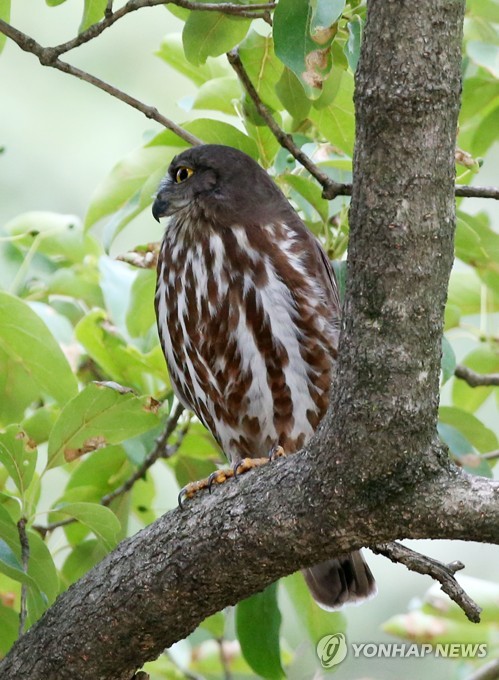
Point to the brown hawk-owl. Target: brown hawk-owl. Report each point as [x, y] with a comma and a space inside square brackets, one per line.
[248, 316]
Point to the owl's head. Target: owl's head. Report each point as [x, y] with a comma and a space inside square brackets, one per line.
[219, 184]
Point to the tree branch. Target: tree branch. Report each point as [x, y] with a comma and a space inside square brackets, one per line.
[161, 578]
[330, 187]
[477, 192]
[476, 379]
[443, 573]
[49, 57]
[249, 11]
[161, 450]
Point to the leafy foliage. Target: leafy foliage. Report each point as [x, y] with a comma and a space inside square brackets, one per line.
[84, 387]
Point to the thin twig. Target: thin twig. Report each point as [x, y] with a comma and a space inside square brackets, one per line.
[161, 450]
[224, 659]
[48, 57]
[256, 11]
[249, 11]
[443, 573]
[491, 455]
[186, 673]
[477, 192]
[23, 539]
[488, 672]
[331, 189]
[476, 379]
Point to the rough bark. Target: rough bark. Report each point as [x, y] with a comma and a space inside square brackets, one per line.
[375, 471]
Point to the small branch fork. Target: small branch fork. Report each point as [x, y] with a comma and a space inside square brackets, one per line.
[476, 379]
[331, 189]
[161, 450]
[443, 573]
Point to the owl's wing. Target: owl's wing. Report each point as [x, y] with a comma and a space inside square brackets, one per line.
[324, 264]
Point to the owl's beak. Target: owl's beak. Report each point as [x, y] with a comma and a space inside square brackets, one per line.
[159, 207]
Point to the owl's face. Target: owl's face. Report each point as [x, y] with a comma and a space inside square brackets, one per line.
[219, 184]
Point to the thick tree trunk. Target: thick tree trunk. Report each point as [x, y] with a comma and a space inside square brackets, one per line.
[374, 469]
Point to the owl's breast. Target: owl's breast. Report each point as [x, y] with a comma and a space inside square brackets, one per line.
[249, 348]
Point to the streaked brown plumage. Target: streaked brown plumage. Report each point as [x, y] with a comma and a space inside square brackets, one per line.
[248, 317]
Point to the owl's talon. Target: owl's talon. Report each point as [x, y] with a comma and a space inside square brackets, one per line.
[221, 476]
[276, 452]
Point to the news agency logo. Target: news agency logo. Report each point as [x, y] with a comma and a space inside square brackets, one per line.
[333, 649]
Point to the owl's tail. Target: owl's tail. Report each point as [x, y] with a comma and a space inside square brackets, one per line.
[343, 580]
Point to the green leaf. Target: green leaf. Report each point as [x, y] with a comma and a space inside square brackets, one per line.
[99, 519]
[488, 9]
[59, 237]
[172, 52]
[5, 15]
[292, 95]
[80, 282]
[209, 34]
[484, 359]
[262, 66]
[18, 454]
[267, 144]
[463, 451]
[22, 333]
[98, 416]
[102, 471]
[217, 132]
[81, 559]
[218, 94]
[9, 630]
[140, 315]
[190, 468]
[11, 566]
[310, 191]
[448, 363]
[41, 568]
[116, 282]
[336, 121]
[302, 39]
[352, 46]
[94, 11]
[121, 362]
[258, 621]
[478, 94]
[39, 423]
[480, 436]
[316, 621]
[465, 291]
[215, 625]
[126, 181]
[330, 89]
[486, 133]
[325, 13]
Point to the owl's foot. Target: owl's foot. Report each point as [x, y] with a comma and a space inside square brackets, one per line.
[222, 475]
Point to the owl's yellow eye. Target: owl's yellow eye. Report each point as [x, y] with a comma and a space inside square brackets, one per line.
[183, 173]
